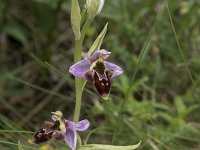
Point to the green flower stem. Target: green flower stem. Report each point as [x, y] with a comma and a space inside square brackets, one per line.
[78, 87]
[79, 82]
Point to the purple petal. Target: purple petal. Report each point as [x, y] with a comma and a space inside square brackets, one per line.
[54, 117]
[82, 125]
[69, 124]
[112, 67]
[70, 138]
[80, 68]
[105, 54]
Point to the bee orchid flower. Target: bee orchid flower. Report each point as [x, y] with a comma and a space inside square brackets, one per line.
[61, 129]
[98, 71]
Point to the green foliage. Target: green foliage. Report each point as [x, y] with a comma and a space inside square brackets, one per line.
[76, 19]
[108, 147]
[162, 105]
[20, 146]
[97, 43]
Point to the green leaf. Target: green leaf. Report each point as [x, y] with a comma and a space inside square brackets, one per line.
[76, 19]
[97, 43]
[108, 147]
[20, 146]
[180, 106]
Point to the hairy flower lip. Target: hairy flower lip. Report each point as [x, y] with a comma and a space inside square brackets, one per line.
[98, 71]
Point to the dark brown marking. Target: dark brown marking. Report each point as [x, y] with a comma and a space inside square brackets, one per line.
[103, 85]
[45, 134]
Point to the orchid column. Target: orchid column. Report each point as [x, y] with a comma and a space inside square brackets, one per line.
[78, 19]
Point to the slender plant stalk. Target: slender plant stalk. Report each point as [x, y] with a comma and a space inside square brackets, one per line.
[79, 82]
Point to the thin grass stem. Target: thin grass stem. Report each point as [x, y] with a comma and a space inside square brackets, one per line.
[141, 56]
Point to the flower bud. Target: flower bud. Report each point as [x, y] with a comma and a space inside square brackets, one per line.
[94, 7]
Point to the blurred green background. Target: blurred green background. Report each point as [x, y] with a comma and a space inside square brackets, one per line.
[36, 51]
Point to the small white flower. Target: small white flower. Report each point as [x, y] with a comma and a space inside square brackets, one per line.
[94, 7]
[100, 6]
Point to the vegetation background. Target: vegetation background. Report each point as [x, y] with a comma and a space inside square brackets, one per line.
[163, 107]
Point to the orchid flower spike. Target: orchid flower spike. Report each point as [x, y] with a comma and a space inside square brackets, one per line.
[61, 129]
[98, 71]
